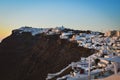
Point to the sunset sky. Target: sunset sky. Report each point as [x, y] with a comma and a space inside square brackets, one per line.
[96, 15]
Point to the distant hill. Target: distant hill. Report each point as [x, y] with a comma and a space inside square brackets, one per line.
[27, 57]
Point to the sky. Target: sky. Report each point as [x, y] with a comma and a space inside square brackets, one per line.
[96, 15]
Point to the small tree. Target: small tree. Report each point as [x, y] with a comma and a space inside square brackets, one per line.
[97, 61]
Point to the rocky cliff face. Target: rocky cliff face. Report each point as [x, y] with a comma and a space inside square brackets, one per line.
[27, 57]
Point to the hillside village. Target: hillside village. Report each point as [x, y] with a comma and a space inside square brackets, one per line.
[103, 63]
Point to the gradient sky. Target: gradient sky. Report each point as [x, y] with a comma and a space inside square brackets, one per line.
[96, 15]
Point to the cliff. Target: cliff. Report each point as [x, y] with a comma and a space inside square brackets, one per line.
[27, 57]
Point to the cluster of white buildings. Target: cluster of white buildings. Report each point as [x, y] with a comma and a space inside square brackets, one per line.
[93, 40]
[108, 54]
